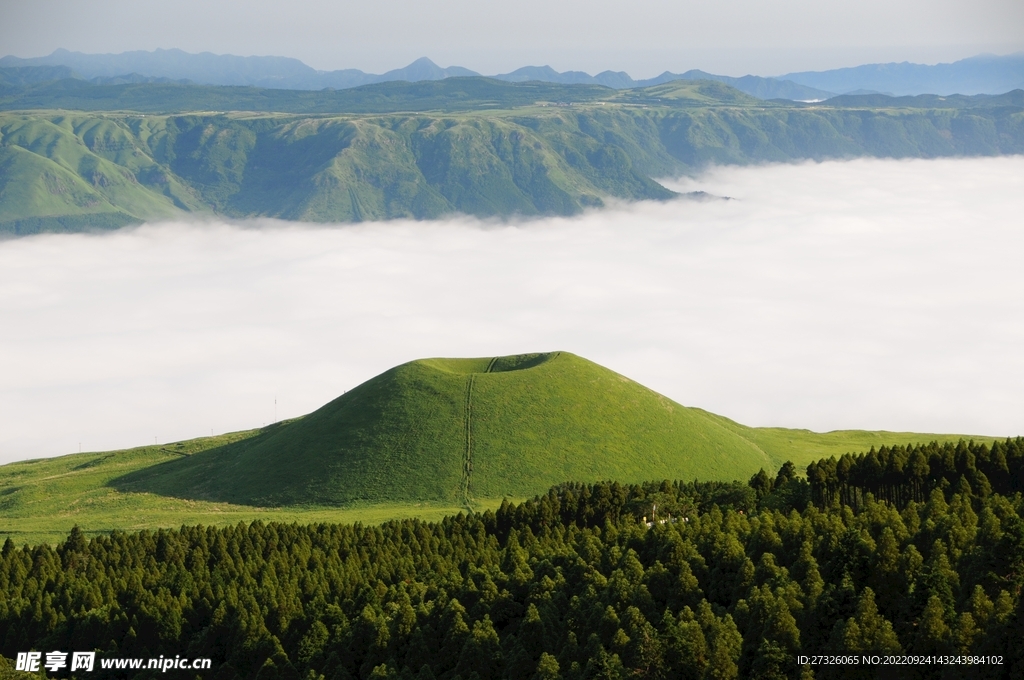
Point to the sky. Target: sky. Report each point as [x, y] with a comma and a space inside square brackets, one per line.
[865, 294]
[644, 38]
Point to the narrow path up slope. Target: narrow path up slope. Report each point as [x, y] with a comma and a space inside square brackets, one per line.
[467, 461]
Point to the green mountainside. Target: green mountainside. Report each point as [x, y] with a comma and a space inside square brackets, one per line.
[424, 150]
[69, 171]
[424, 439]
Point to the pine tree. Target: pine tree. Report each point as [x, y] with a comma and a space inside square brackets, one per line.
[481, 653]
[867, 632]
[547, 668]
[932, 633]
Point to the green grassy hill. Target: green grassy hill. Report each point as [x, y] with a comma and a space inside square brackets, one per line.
[450, 430]
[423, 439]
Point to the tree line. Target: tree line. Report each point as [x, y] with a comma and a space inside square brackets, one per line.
[666, 580]
[902, 474]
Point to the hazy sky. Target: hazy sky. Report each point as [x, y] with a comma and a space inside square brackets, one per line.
[643, 37]
[865, 294]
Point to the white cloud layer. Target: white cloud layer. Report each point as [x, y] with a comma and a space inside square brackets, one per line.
[870, 294]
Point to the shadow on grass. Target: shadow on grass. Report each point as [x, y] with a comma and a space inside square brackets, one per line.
[200, 476]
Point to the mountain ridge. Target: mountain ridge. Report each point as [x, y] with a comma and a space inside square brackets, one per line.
[287, 73]
[980, 74]
[461, 153]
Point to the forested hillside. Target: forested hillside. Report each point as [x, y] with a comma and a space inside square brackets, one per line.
[660, 580]
[461, 153]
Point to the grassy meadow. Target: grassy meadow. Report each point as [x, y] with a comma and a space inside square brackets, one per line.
[41, 500]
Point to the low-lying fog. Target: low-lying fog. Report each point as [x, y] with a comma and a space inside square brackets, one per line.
[866, 294]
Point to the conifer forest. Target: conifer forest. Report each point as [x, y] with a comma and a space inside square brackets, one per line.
[897, 553]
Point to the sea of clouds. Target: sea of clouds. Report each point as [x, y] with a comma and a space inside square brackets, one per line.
[873, 294]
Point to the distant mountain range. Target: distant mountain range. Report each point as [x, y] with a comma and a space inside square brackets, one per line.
[285, 73]
[983, 74]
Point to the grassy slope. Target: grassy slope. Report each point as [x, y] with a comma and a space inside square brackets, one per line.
[77, 170]
[597, 425]
[82, 167]
[803, 446]
[396, 446]
[41, 500]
